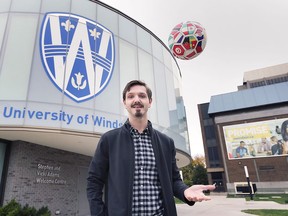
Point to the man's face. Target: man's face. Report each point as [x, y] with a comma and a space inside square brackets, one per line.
[137, 102]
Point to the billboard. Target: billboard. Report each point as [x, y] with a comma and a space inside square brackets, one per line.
[257, 139]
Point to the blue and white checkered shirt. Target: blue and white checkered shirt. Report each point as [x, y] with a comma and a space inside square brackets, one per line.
[147, 198]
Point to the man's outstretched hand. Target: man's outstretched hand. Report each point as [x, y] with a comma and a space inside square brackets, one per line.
[195, 192]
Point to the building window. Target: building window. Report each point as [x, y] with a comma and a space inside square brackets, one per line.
[209, 132]
[213, 154]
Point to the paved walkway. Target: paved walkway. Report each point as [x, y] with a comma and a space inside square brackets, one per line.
[219, 205]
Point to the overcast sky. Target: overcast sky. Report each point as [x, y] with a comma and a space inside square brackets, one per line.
[243, 35]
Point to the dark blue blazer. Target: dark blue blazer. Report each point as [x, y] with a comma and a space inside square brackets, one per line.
[112, 170]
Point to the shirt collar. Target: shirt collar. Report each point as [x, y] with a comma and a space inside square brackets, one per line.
[134, 131]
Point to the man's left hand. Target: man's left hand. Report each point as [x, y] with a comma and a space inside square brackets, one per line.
[195, 192]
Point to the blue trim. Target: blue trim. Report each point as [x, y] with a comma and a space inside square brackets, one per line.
[249, 98]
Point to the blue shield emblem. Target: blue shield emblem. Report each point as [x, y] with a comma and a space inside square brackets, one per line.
[77, 54]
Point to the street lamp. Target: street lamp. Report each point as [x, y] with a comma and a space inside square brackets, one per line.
[248, 181]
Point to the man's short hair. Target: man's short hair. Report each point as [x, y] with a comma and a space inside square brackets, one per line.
[134, 83]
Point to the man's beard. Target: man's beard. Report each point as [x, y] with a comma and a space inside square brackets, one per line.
[138, 114]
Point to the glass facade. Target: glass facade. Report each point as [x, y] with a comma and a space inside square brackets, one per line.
[2, 157]
[31, 97]
[210, 141]
[212, 149]
[3, 168]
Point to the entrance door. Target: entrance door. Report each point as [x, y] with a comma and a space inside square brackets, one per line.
[3, 167]
[83, 207]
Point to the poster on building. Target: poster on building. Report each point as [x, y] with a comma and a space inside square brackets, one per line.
[257, 139]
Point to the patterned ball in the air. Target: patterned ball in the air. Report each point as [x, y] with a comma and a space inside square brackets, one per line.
[187, 40]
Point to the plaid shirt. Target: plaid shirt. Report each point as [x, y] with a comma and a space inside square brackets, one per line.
[147, 199]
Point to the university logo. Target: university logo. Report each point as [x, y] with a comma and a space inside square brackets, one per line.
[77, 53]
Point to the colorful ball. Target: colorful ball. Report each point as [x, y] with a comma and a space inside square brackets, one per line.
[187, 40]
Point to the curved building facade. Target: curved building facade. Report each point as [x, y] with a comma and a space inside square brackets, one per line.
[63, 65]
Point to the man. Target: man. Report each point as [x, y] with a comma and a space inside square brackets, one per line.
[284, 133]
[277, 146]
[137, 167]
[241, 150]
[264, 146]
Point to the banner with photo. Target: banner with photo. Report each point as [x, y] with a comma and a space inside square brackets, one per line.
[257, 139]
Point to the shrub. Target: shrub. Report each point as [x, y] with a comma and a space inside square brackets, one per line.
[44, 211]
[10, 209]
[13, 208]
[28, 211]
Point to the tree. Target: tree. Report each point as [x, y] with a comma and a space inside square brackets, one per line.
[199, 175]
[187, 173]
[198, 160]
[195, 173]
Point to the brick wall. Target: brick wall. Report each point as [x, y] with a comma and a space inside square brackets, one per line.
[43, 176]
[260, 169]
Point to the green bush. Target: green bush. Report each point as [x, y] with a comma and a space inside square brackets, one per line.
[10, 209]
[28, 211]
[44, 211]
[13, 208]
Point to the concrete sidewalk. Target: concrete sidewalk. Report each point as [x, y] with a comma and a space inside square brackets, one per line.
[219, 205]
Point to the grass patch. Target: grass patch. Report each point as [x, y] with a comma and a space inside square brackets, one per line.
[266, 212]
[177, 201]
[279, 198]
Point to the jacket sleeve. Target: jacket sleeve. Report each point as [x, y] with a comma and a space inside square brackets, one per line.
[178, 185]
[97, 176]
